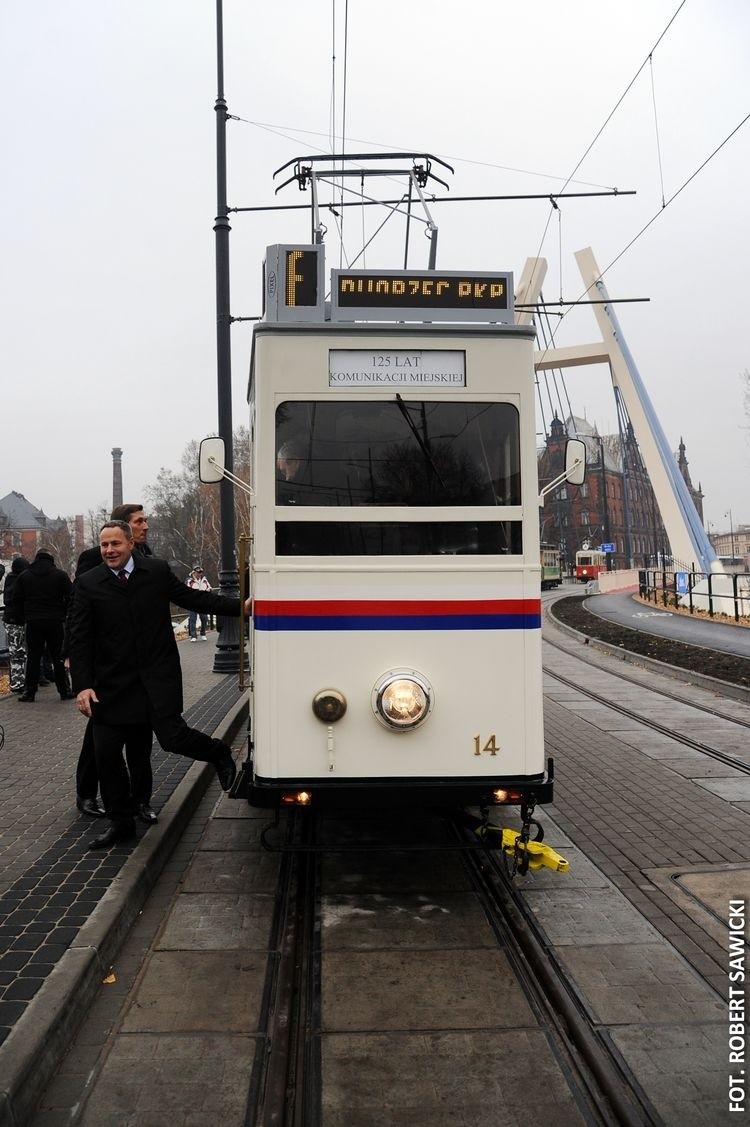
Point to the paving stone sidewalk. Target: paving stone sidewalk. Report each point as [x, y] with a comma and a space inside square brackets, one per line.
[667, 825]
[49, 882]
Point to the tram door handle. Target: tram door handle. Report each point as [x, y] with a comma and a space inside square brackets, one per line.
[244, 542]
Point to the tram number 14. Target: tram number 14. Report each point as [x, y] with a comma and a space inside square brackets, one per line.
[490, 746]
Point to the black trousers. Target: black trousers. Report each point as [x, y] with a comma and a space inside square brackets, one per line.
[138, 742]
[174, 736]
[39, 634]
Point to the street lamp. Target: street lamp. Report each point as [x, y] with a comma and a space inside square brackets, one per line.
[731, 532]
[227, 646]
[604, 507]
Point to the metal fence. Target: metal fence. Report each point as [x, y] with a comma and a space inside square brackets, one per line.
[715, 593]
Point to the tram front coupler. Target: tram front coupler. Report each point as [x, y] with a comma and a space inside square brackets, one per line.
[525, 851]
[532, 854]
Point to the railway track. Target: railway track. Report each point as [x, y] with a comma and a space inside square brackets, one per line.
[642, 715]
[285, 1081]
[662, 729]
[517, 992]
[292, 1079]
[640, 683]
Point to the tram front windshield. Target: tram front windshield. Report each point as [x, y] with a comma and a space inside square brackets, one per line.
[396, 453]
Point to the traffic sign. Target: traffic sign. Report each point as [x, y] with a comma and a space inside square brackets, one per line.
[608, 547]
[681, 578]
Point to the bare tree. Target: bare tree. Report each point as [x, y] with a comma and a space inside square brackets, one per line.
[60, 542]
[95, 518]
[184, 514]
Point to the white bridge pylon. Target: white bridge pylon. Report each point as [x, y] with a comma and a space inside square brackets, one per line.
[687, 537]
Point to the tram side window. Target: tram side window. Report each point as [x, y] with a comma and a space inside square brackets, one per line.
[397, 452]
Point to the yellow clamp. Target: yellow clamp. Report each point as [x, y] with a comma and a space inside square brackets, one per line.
[539, 854]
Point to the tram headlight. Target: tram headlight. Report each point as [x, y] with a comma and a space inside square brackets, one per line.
[329, 705]
[402, 699]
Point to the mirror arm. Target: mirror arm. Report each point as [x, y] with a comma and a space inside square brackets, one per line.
[558, 480]
[231, 477]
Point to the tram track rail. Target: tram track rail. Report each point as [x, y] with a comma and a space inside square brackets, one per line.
[286, 1088]
[730, 687]
[611, 1091]
[286, 1074]
[687, 741]
[671, 696]
[655, 726]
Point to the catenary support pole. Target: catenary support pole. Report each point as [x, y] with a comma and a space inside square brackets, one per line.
[227, 646]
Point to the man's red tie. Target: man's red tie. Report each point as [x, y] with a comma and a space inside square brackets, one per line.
[123, 577]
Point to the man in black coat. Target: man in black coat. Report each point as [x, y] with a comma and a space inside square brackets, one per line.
[126, 669]
[138, 743]
[40, 598]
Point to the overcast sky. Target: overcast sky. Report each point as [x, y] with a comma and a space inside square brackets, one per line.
[108, 195]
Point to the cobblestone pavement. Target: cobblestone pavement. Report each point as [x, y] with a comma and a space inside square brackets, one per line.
[646, 809]
[49, 882]
[639, 924]
[658, 840]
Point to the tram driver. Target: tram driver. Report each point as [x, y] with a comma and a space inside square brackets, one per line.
[292, 474]
[289, 461]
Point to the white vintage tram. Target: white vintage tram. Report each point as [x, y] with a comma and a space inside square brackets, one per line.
[395, 642]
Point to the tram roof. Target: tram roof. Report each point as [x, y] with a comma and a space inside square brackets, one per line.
[395, 328]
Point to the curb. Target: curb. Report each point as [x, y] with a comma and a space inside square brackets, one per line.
[33, 1051]
[700, 680]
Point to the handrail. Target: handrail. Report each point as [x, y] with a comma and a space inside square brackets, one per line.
[724, 593]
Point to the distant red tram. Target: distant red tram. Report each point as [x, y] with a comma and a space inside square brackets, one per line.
[589, 564]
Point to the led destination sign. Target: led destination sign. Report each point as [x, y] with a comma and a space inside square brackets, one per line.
[369, 295]
[293, 283]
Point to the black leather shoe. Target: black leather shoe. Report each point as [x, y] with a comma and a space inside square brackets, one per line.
[113, 836]
[90, 806]
[226, 769]
[146, 814]
[27, 698]
[67, 696]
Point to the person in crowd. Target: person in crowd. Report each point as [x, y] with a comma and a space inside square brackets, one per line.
[40, 599]
[139, 740]
[197, 581]
[46, 669]
[15, 628]
[126, 668]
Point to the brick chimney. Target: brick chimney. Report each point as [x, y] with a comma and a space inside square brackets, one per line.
[116, 476]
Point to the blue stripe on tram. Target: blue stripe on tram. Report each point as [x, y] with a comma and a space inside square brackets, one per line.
[399, 622]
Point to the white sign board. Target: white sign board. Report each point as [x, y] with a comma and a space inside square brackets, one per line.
[403, 368]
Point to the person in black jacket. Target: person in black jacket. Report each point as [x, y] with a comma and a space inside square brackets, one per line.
[140, 738]
[40, 598]
[126, 668]
[15, 628]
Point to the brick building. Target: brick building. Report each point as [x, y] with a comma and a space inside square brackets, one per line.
[24, 529]
[615, 504]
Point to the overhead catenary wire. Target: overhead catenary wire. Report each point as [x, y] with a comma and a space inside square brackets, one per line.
[556, 375]
[607, 120]
[286, 131]
[342, 147]
[332, 107]
[656, 130]
[648, 60]
[646, 226]
[674, 195]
